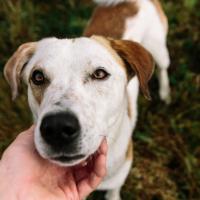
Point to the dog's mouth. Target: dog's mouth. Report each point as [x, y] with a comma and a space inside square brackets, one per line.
[66, 159]
[76, 160]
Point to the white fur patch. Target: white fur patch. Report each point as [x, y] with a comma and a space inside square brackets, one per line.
[68, 65]
[146, 28]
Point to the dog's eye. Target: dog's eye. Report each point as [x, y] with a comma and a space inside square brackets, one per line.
[38, 77]
[100, 74]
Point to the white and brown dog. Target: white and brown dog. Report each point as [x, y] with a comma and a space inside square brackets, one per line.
[143, 21]
[80, 91]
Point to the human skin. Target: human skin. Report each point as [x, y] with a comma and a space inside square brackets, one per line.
[24, 175]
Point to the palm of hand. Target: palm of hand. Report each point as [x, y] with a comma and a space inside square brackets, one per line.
[36, 178]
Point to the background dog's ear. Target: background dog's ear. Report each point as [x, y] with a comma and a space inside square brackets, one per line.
[136, 59]
[15, 65]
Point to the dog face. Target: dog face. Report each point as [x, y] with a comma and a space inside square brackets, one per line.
[76, 91]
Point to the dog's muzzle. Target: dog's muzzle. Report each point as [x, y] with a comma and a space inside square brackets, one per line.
[61, 131]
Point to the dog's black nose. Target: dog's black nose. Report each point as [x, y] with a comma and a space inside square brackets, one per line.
[60, 129]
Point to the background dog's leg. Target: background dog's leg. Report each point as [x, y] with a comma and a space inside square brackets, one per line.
[154, 40]
[163, 63]
[113, 194]
[157, 47]
[164, 90]
[133, 91]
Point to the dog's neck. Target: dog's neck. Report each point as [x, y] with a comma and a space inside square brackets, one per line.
[120, 132]
[119, 135]
[119, 124]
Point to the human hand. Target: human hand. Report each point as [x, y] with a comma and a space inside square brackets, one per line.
[24, 175]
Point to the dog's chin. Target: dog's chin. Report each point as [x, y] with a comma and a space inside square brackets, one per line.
[65, 161]
[70, 161]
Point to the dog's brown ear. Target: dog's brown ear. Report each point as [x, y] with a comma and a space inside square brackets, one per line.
[15, 65]
[137, 59]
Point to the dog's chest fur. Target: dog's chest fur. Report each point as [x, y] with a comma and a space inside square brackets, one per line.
[111, 21]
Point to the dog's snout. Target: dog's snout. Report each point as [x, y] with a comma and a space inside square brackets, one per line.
[59, 129]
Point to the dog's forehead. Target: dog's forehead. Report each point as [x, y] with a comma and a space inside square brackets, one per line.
[61, 56]
[71, 50]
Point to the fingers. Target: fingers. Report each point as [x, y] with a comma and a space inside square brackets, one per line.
[104, 147]
[26, 138]
[86, 186]
[29, 131]
[23, 141]
[100, 163]
[99, 167]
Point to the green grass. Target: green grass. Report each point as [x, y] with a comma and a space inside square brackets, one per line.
[167, 138]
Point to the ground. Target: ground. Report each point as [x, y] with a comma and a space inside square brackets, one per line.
[167, 138]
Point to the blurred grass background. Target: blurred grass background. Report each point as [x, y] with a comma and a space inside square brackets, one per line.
[167, 138]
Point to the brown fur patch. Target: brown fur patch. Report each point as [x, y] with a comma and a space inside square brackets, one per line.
[15, 65]
[106, 43]
[109, 21]
[37, 90]
[129, 152]
[137, 59]
[129, 108]
[134, 58]
[37, 93]
[161, 13]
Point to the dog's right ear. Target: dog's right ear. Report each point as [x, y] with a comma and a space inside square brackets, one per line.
[15, 65]
[137, 60]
